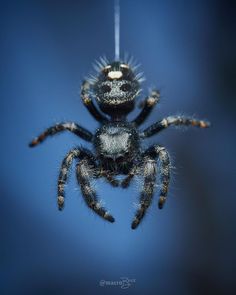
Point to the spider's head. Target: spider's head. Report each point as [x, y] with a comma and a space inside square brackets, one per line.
[116, 87]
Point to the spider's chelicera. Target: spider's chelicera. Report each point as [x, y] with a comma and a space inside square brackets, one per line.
[117, 142]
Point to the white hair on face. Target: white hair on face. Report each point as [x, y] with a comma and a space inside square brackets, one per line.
[115, 74]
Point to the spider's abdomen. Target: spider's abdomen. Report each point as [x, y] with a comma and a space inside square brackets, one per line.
[117, 142]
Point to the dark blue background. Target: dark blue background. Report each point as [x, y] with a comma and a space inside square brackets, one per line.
[187, 49]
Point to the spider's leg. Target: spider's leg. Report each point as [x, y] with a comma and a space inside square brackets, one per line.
[88, 102]
[148, 170]
[126, 182]
[86, 171]
[148, 106]
[72, 127]
[172, 121]
[64, 172]
[164, 163]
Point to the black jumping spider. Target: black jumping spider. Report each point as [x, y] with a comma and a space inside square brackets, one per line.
[117, 142]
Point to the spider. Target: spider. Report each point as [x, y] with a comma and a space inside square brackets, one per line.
[117, 142]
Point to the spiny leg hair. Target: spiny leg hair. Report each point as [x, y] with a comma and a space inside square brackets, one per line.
[72, 127]
[85, 172]
[173, 120]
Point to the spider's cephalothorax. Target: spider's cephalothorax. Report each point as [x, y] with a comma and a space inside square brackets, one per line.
[117, 143]
[116, 88]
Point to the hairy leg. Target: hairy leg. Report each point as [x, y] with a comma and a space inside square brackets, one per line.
[164, 166]
[148, 171]
[149, 104]
[149, 174]
[87, 100]
[64, 172]
[85, 173]
[173, 121]
[72, 127]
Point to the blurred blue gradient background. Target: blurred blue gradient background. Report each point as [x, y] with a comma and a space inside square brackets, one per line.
[188, 50]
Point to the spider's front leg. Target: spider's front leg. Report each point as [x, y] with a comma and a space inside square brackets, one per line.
[173, 121]
[87, 171]
[149, 104]
[148, 168]
[72, 127]
[88, 102]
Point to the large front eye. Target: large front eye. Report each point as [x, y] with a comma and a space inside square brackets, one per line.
[105, 88]
[125, 87]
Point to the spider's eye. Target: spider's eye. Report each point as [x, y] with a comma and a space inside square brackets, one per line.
[105, 88]
[125, 87]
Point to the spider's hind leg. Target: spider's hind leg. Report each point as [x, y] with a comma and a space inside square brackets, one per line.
[86, 171]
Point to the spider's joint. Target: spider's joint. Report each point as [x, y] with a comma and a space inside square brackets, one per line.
[164, 122]
[60, 201]
[151, 101]
[87, 100]
[158, 149]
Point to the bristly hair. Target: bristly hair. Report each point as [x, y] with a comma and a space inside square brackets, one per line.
[102, 62]
[134, 65]
[98, 66]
